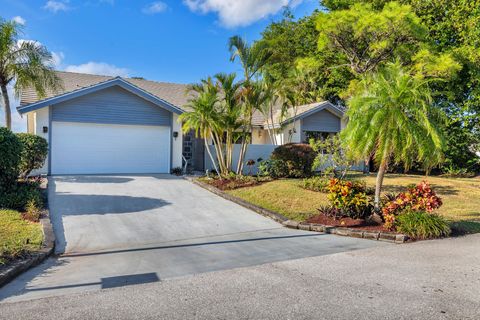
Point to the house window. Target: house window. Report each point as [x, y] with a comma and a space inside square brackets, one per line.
[316, 135]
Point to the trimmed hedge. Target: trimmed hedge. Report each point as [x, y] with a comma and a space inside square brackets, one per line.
[34, 152]
[297, 157]
[21, 194]
[10, 149]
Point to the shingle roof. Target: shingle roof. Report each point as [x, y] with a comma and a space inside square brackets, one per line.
[174, 93]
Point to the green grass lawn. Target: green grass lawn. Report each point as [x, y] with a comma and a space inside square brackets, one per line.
[17, 236]
[461, 196]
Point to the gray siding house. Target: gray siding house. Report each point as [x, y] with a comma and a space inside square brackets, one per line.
[112, 125]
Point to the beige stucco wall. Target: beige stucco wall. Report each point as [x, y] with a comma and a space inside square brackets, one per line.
[260, 136]
[40, 119]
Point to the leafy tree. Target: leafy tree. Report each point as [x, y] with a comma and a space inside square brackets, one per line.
[451, 29]
[392, 118]
[367, 38]
[23, 64]
[293, 44]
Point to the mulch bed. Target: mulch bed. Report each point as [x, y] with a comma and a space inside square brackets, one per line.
[232, 184]
[360, 224]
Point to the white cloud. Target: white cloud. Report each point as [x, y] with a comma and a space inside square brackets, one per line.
[234, 13]
[19, 20]
[100, 68]
[56, 6]
[155, 7]
[57, 58]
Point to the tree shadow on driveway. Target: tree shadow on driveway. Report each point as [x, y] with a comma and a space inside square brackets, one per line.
[66, 205]
[84, 204]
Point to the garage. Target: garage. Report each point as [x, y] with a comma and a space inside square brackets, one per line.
[89, 148]
[108, 125]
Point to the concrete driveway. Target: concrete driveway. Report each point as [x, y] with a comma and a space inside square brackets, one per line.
[119, 230]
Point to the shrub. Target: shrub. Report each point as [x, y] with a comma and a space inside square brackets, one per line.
[331, 157]
[32, 212]
[20, 195]
[416, 198]
[350, 197]
[10, 149]
[422, 225]
[455, 172]
[272, 168]
[318, 184]
[298, 158]
[33, 154]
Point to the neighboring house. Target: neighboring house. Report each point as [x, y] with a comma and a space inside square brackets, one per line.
[113, 125]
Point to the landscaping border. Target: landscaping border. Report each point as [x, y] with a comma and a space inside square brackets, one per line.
[341, 231]
[34, 259]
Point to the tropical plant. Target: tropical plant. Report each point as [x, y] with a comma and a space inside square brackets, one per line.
[272, 168]
[23, 64]
[417, 198]
[204, 120]
[422, 225]
[391, 119]
[230, 111]
[350, 197]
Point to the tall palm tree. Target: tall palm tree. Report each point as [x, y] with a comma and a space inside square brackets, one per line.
[268, 108]
[252, 58]
[230, 112]
[391, 117]
[23, 64]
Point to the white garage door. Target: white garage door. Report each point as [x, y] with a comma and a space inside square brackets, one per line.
[86, 148]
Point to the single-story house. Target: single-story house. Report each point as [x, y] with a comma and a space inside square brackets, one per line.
[113, 125]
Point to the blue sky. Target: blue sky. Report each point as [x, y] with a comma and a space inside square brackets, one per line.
[175, 41]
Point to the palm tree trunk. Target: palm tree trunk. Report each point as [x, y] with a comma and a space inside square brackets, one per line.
[210, 155]
[378, 189]
[6, 104]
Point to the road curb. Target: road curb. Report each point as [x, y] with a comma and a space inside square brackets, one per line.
[340, 231]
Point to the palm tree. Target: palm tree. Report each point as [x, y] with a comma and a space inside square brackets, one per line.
[252, 58]
[230, 112]
[23, 64]
[392, 118]
[203, 118]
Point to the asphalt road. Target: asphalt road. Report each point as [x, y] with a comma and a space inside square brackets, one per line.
[424, 280]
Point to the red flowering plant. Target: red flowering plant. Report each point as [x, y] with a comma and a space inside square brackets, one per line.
[350, 198]
[416, 198]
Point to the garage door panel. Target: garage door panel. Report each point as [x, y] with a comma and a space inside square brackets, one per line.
[82, 148]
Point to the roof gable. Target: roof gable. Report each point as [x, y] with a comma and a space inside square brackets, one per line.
[97, 87]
